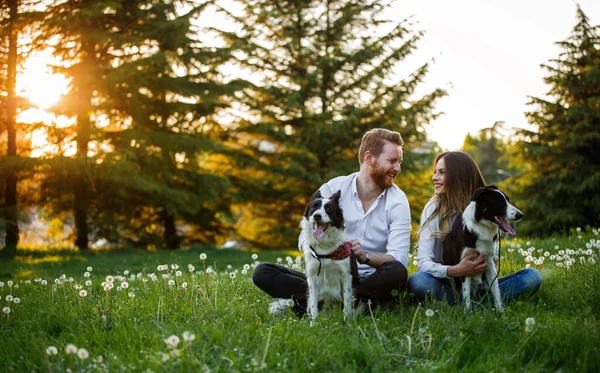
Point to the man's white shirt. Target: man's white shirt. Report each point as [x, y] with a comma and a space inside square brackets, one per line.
[384, 229]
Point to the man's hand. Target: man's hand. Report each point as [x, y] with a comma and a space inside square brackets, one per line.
[358, 250]
[470, 265]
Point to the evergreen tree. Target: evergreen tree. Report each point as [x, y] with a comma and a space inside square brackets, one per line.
[325, 74]
[16, 17]
[165, 92]
[559, 190]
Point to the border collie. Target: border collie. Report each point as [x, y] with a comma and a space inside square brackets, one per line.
[331, 270]
[476, 231]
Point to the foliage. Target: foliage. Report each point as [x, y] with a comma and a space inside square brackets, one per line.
[326, 72]
[559, 188]
[229, 328]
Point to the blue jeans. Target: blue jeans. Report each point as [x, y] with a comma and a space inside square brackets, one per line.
[424, 285]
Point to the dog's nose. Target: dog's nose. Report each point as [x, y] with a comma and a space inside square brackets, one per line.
[317, 217]
[519, 215]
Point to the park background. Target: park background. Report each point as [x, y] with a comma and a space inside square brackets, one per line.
[163, 124]
[140, 138]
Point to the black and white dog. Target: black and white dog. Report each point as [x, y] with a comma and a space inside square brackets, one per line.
[476, 231]
[331, 270]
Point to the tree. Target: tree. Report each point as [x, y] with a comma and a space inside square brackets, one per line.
[16, 16]
[326, 73]
[559, 190]
[489, 149]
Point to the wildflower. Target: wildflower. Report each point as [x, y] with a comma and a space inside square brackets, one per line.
[86, 275]
[188, 337]
[172, 341]
[209, 270]
[246, 267]
[44, 282]
[70, 349]
[546, 254]
[202, 256]
[191, 268]
[171, 282]
[578, 229]
[88, 283]
[184, 285]
[98, 360]
[174, 266]
[279, 260]
[51, 351]
[9, 298]
[131, 294]
[289, 303]
[82, 293]
[175, 353]
[126, 272]
[83, 354]
[165, 276]
[591, 260]
[254, 256]
[56, 281]
[178, 274]
[529, 324]
[429, 312]
[9, 283]
[164, 357]
[109, 278]
[232, 275]
[89, 269]
[1, 284]
[124, 285]
[6, 310]
[244, 272]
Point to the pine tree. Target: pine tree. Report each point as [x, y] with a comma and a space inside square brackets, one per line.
[560, 188]
[325, 74]
[165, 92]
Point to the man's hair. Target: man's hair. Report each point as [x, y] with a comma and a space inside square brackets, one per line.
[375, 139]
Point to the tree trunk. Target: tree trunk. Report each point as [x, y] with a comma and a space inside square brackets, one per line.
[12, 226]
[171, 238]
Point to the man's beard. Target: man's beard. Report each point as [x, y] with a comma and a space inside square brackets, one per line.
[380, 176]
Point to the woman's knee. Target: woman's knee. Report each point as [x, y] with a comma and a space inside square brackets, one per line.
[420, 283]
[533, 279]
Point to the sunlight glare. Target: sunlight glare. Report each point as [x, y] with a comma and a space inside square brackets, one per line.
[39, 84]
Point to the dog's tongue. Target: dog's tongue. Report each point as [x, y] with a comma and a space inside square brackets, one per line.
[318, 231]
[506, 226]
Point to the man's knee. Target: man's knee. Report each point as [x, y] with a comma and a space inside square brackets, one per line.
[262, 274]
[397, 273]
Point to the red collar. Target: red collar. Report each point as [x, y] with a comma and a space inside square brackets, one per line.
[342, 252]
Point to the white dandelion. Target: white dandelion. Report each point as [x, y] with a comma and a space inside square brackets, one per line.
[254, 256]
[429, 312]
[124, 285]
[89, 269]
[88, 283]
[70, 349]
[82, 354]
[6, 310]
[171, 282]
[131, 294]
[202, 256]
[529, 324]
[188, 337]
[87, 274]
[172, 341]
[51, 351]
[82, 293]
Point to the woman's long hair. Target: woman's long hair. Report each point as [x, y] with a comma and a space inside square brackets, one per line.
[462, 178]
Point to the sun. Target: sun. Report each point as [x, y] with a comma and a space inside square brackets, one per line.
[38, 83]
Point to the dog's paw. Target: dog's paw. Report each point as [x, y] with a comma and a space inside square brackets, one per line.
[279, 306]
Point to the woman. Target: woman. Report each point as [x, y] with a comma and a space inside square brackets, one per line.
[455, 178]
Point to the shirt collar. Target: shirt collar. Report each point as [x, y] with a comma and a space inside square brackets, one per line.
[355, 188]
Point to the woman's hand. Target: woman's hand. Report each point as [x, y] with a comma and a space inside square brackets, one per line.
[470, 265]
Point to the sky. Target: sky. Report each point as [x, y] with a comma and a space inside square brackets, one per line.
[487, 57]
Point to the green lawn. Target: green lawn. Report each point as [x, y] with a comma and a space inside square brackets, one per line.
[222, 322]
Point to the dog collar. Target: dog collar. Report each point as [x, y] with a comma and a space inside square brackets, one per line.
[342, 252]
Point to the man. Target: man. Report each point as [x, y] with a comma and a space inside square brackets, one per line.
[377, 217]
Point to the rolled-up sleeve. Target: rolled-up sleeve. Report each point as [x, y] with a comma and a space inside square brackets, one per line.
[426, 252]
[398, 243]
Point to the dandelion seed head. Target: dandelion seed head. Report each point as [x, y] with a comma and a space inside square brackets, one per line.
[188, 336]
[124, 285]
[1, 284]
[89, 269]
[191, 268]
[88, 283]
[9, 283]
[9, 298]
[70, 349]
[44, 282]
[6, 310]
[110, 278]
[172, 341]
[51, 351]
[184, 285]
[246, 266]
[178, 274]
[82, 293]
[131, 294]
[126, 272]
[171, 282]
[254, 256]
[87, 274]
[232, 275]
[429, 312]
[82, 354]
[203, 256]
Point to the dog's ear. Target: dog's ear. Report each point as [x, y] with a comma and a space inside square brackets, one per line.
[316, 195]
[336, 196]
[480, 204]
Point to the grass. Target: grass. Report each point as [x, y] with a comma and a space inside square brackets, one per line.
[126, 329]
